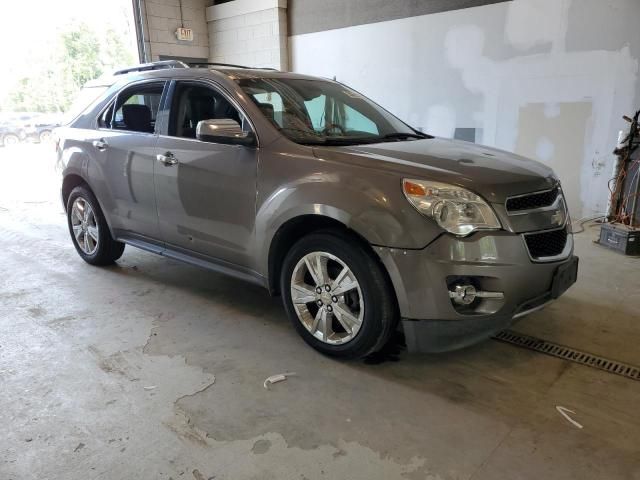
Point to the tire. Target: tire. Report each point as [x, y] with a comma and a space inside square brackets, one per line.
[10, 139]
[45, 136]
[97, 248]
[358, 322]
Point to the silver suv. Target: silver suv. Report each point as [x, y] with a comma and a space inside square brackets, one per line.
[308, 188]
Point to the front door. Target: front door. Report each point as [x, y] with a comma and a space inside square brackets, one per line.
[206, 192]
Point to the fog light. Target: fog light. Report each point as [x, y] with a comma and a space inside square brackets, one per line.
[463, 294]
[466, 294]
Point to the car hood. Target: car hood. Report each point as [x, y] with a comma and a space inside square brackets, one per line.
[492, 173]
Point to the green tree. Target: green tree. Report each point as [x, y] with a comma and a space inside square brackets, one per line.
[80, 55]
[39, 93]
[116, 53]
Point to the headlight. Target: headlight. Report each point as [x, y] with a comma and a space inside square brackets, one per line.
[455, 209]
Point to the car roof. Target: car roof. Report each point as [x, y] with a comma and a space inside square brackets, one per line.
[241, 73]
[227, 72]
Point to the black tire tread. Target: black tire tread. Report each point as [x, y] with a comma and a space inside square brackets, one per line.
[382, 296]
[109, 250]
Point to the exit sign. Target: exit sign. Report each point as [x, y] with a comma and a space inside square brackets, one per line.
[185, 34]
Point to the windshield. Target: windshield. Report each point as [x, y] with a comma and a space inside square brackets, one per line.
[324, 112]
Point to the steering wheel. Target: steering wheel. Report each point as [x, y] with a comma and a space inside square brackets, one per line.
[333, 126]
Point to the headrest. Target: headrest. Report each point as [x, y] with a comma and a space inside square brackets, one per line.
[137, 117]
[224, 110]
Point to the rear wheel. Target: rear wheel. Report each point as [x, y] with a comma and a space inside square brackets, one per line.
[337, 295]
[45, 136]
[89, 230]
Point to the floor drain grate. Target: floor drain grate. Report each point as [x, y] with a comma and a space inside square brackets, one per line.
[568, 353]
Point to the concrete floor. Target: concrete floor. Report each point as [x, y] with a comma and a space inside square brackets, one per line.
[152, 369]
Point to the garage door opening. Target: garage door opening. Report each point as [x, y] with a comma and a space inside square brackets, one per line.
[62, 46]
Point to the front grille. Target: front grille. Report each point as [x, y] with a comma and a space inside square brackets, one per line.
[533, 201]
[546, 244]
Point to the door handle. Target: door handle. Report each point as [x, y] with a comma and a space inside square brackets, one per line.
[167, 159]
[100, 144]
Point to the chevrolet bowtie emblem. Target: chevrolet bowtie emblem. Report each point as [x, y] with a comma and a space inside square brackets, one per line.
[557, 218]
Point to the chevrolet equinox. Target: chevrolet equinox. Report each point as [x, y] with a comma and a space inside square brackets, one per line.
[311, 190]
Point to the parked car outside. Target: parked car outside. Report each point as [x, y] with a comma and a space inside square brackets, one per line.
[40, 128]
[304, 186]
[14, 127]
[11, 134]
[18, 127]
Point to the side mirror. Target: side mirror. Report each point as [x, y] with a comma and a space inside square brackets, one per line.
[224, 130]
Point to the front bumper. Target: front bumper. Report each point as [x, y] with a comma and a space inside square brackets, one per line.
[496, 261]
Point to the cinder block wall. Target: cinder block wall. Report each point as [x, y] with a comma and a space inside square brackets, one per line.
[162, 19]
[249, 32]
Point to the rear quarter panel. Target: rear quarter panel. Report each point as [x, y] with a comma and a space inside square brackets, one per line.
[76, 156]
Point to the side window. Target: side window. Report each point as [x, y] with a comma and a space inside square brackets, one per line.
[193, 103]
[135, 109]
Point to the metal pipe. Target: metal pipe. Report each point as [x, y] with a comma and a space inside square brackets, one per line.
[142, 42]
[634, 208]
[617, 167]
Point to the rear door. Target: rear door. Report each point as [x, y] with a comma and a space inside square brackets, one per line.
[206, 196]
[126, 141]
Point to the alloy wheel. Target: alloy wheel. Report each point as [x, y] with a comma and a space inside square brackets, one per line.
[85, 226]
[327, 298]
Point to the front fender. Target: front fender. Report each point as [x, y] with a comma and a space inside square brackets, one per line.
[368, 201]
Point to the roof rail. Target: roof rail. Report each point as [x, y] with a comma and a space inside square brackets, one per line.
[152, 66]
[231, 65]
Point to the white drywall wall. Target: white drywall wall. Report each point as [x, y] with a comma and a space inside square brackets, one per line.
[496, 68]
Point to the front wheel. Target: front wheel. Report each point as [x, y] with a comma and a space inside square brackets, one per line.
[89, 230]
[10, 139]
[337, 295]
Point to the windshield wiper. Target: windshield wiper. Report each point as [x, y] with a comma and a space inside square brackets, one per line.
[310, 133]
[404, 136]
[346, 141]
[310, 137]
[332, 141]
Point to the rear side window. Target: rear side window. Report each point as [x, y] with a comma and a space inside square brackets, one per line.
[134, 109]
